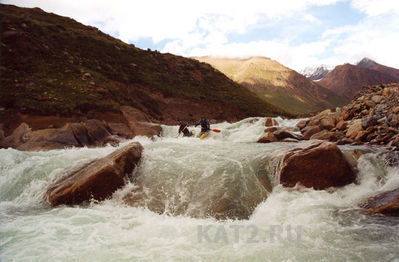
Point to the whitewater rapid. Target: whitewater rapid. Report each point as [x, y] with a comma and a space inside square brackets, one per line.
[182, 179]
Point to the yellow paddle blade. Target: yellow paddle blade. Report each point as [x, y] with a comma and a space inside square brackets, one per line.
[202, 136]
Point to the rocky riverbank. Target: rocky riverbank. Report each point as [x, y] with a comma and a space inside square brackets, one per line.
[371, 118]
[92, 132]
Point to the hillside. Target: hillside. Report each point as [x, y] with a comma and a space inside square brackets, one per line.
[347, 79]
[370, 64]
[53, 65]
[276, 83]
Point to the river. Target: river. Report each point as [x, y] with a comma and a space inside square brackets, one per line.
[182, 186]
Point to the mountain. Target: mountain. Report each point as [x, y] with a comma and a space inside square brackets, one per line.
[53, 65]
[276, 83]
[370, 64]
[315, 73]
[346, 80]
[367, 63]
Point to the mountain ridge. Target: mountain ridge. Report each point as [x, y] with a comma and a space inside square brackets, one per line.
[275, 83]
[347, 79]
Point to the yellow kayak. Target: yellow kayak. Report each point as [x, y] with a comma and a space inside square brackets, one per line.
[204, 135]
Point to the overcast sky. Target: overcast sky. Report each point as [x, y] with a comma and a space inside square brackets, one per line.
[297, 33]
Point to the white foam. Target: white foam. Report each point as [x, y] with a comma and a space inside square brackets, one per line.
[189, 172]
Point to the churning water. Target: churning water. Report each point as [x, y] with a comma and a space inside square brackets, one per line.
[169, 212]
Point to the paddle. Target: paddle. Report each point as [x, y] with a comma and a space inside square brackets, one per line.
[216, 130]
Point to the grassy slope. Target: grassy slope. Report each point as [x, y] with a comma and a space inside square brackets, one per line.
[276, 83]
[44, 59]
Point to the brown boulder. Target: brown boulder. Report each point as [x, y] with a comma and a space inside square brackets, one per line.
[345, 140]
[49, 139]
[268, 137]
[323, 135]
[394, 142]
[17, 137]
[97, 179]
[1, 137]
[369, 121]
[321, 165]
[121, 129]
[314, 121]
[80, 133]
[281, 134]
[327, 123]
[310, 131]
[354, 129]
[302, 124]
[341, 125]
[271, 122]
[362, 136]
[386, 91]
[271, 129]
[369, 104]
[386, 203]
[324, 113]
[96, 131]
[139, 123]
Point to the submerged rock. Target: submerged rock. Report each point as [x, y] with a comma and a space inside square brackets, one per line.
[277, 134]
[321, 165]
[268, 137]
[97, 179]
[281, 134]
[386, 203]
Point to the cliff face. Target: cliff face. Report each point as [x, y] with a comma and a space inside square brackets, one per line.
[55, 66]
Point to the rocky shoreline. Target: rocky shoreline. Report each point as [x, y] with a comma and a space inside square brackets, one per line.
[90, 133]
[371, 118]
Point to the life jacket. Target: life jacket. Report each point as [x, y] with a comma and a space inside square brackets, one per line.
[183, 128]
[205, 125]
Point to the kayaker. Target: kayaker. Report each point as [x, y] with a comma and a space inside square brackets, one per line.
[183, 128]
[205, 125]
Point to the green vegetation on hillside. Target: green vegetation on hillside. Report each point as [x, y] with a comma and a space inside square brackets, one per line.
[55, 65]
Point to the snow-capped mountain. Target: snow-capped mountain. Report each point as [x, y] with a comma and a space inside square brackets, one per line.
[315, 73]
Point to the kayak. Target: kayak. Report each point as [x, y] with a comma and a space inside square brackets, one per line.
[204, 135]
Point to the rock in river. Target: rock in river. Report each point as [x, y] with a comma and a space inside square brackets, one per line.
[321, 165]
[386, 203]
[97, 179]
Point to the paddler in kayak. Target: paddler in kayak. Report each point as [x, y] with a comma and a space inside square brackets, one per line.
[205, 127]
[183, 128]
